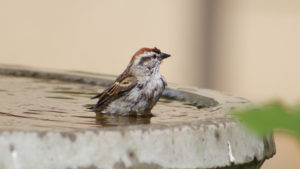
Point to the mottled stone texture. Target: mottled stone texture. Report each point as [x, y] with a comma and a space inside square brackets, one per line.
[216, 141]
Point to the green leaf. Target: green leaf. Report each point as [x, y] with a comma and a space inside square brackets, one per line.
[275, 115]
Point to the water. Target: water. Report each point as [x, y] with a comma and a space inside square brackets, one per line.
[39, 104]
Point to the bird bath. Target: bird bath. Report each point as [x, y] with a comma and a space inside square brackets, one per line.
[45, 123]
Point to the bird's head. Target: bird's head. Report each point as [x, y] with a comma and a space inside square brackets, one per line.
[147, 59]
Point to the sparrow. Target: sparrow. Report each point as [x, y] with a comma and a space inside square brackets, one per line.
[137, 89]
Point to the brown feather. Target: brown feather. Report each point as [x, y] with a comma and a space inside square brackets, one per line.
[119, 87]
[143, 50]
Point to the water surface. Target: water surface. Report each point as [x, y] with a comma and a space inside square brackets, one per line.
[40, 104]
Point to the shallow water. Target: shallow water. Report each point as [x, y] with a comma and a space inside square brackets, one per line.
[39, 104]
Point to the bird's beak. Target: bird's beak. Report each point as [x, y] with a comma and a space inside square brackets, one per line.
[164, 56]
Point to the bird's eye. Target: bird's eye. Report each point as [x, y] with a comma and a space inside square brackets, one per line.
[154, 56]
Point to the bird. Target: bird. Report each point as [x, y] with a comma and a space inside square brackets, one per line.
[137, 89]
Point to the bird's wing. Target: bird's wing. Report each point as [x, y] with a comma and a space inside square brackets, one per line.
[120, 86]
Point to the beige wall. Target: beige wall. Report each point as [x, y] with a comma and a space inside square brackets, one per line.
[253, 45]
[257, 49]
[101, 36]
[253, 53]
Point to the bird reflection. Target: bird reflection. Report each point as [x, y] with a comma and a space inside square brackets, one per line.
[107, 120]
[117, 120]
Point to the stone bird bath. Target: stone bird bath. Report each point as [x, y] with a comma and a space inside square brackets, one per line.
[45, 123]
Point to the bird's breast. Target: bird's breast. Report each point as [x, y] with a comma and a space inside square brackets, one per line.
[153, 87]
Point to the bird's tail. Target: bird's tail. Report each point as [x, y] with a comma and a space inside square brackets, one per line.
[97, 96]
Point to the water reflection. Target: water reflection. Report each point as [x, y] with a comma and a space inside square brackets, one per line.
[115, 120]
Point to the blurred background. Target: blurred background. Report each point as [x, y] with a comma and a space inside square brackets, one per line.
[248, 48]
